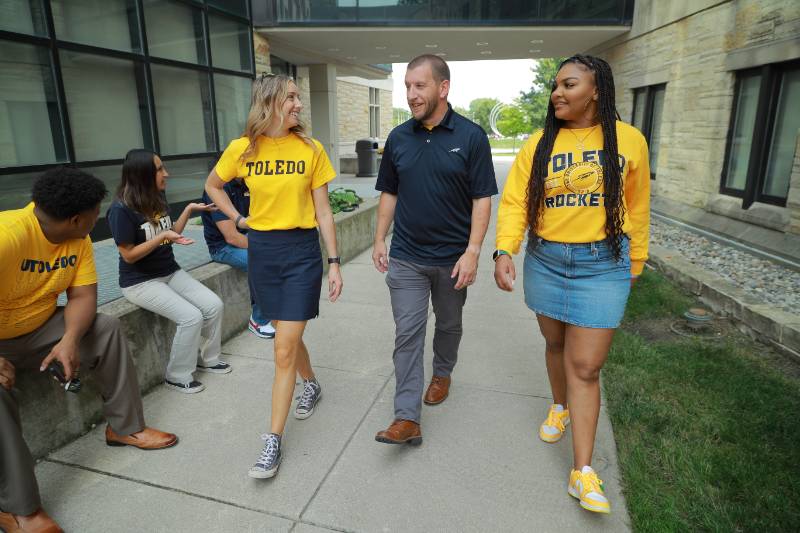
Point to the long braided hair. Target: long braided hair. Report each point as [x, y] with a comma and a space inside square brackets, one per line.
[612, 173]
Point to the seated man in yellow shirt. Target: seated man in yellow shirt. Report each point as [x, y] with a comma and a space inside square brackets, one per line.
[45, 250]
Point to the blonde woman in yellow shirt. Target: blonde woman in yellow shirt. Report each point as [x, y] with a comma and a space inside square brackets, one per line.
[287, 173]
[581, 189]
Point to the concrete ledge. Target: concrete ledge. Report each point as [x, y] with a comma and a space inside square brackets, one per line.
[52, 417]
[759, 320]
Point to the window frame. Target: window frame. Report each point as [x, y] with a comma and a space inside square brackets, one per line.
[772, 76]
[148, 116]
[374, 112]
[647, 117]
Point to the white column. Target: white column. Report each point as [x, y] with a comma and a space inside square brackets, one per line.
[323, 109]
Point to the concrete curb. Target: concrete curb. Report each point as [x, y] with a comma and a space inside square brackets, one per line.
[52, 417]
[759, 320]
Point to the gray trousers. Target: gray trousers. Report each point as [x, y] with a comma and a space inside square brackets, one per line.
[102, 350]
[411, 286]
[195, 309]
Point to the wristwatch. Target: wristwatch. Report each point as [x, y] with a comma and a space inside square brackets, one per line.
[336, 260]
[498, 253]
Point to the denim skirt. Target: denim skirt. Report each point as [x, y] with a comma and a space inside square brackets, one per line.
[284, 268]
[578, 283]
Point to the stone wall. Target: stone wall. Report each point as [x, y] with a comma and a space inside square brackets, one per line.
[261, 53]
[386, 113]
[353, 113]
[690, 47]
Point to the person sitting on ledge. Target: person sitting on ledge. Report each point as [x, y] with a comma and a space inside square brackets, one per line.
[46, 250]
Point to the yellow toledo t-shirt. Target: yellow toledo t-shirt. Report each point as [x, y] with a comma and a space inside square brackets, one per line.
[280, 175]
[34, 271]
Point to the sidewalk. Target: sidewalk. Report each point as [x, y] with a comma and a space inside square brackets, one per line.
[481, 466]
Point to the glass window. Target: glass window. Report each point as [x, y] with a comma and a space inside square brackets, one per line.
[106, 103]
[655, 127]
[30, 123]
[784, 137]
[232, 95]
[237, 7]
[15, 189]
[107, 23]
[175, 31]
[281, 66]
[187, 178]
[744, 120]
[230, 44]
[648, 106]
[374, 112]
[23, 16]
[639, 102]
[183, 110]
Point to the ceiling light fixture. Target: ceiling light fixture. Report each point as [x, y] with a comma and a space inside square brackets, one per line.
[481, 44]
[534, 51]
[431, 46]
[537, 41]
[440, 54]
[486, 53]
[351, 57]
[380, 48]
[333, 50]
[394, 55]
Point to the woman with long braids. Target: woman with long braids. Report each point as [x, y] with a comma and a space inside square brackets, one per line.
[287, 173]
[581, 187]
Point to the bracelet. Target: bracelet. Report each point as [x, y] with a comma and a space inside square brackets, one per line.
[335, 260]
[240, 217]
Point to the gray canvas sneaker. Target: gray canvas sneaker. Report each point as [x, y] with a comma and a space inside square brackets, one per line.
[270, 458]
[306, 402]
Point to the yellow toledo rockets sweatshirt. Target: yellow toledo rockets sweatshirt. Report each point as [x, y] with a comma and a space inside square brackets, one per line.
[574, 202]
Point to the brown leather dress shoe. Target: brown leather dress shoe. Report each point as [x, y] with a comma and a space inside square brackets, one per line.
[401, 432]
[438, 390]
[38, 522]
[146, 439]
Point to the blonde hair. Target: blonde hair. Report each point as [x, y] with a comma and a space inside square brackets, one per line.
[270, 92]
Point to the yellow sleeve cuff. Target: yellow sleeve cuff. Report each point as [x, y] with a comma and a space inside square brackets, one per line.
[637, 267]
[507, 245]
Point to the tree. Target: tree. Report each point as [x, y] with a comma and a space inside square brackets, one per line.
[534, 102]
[513, 121]
[479, 110]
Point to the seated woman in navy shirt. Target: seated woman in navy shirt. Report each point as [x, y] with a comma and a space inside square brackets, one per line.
[149, 276]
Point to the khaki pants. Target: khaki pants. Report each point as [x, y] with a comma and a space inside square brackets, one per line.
[102, 350]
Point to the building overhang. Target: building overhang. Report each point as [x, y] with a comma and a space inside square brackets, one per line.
[354, 50]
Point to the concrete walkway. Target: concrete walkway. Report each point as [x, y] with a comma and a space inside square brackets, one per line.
[481, 466]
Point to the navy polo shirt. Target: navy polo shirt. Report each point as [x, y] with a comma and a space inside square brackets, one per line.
[435, 174]
[239, 194]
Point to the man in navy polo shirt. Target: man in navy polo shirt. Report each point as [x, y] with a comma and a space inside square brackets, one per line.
[436, 181]
[228, 244]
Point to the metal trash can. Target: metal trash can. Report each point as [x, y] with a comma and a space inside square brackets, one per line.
[367, 152]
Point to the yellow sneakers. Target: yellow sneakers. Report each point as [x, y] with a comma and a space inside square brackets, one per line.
[588, 488]
[552, 429]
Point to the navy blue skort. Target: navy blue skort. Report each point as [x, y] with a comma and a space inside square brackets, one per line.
[284, 268]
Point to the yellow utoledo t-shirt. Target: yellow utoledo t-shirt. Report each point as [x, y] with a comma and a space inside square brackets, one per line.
[280, 175]
[34, 271]
[573, 209]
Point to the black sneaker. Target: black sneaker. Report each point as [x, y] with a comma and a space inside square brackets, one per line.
[270, 458]
[186, 388]
[220, 368]
[306, 402]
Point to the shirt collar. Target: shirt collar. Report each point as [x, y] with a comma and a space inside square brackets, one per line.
[447, 121]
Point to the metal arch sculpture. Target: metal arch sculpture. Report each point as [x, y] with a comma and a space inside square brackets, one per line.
[493, 114]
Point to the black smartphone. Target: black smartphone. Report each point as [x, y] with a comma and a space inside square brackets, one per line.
[57, 371]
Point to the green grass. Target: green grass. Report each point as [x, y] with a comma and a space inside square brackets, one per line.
[506, 143]
[708, 432]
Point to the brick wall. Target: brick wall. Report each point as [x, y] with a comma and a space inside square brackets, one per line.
[689, 54]
[353, 114]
